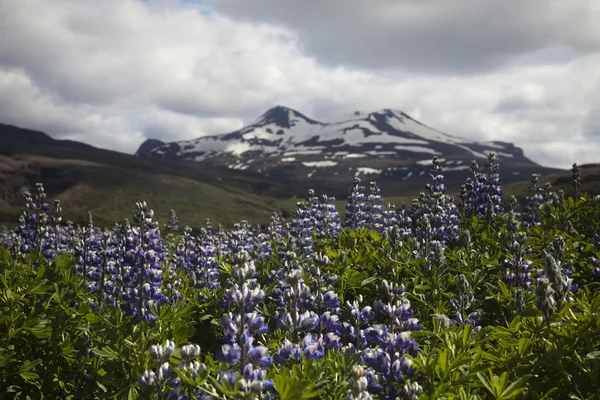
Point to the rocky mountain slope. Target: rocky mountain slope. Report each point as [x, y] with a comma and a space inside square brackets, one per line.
[387, 146]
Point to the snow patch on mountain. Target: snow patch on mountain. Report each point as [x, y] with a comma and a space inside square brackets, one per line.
[355, 155]
[319, 163]
[418, 149]
[428, 161]
[367, 171]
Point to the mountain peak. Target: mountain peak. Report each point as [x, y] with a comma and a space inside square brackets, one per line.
[283, 117]
[390, 112]
[147, 146]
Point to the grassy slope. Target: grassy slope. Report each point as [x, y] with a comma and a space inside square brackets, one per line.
[110, 193]
[193, 201]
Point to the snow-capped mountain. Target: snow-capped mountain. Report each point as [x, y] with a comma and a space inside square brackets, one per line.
[381, 145]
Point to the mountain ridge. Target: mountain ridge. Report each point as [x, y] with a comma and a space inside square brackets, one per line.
[386, 145]
[384, 123]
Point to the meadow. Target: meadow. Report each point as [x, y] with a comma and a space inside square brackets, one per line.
[474, 296]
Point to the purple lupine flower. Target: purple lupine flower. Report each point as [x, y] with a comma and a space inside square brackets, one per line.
[596, 266]
[385, 358]
[231, 354]
[518, 269]
[205, 260]
[358, 384]
[86, 249]
[361, 316]
[365, 210]
[241, 238]
[141, 268]
[243, 321]
[35, 227]
[253, 381]
[494, 204]
[288, 352]
[275, 228]
[304, 224]
[328, 224]
[374, 209]
[173, 223]
[472, 193]
[387, 365]
[461, 302]
[535, 201]
[355, 209]
[313, 347]
[575, 180]
[164, 375]
[390, 219]
[294, 297]
[326, 303]
[435, 214]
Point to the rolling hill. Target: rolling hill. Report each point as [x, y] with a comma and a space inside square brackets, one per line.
[108, 183]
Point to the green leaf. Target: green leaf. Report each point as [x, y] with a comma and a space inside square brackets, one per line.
[443, 361]
[523, 346]
[354, 278]
[29, 376]
[101, 386]
[514, 389]
[133, 394]
[40, 289]
[28, 365]
[486, 382]
[368, 280]
[468, 329]
[594, 355]
[106, 352]
[41, 271]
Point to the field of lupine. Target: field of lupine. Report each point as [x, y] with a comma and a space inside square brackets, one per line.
[478, 298]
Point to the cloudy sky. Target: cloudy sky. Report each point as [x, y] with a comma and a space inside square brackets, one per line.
[114, 72]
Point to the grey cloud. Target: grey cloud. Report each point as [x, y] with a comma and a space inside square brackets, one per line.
[433, 36]
[592, 124]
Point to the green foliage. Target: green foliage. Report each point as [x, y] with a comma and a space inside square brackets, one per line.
[54, 344]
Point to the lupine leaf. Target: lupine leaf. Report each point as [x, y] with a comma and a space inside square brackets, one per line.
[368, 280]
[515, 388]
[106, 352]
[594, 355]
[486, 383]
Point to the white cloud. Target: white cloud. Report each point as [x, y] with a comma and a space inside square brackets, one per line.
[169, 126]
[111, 72]
[26, 105]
